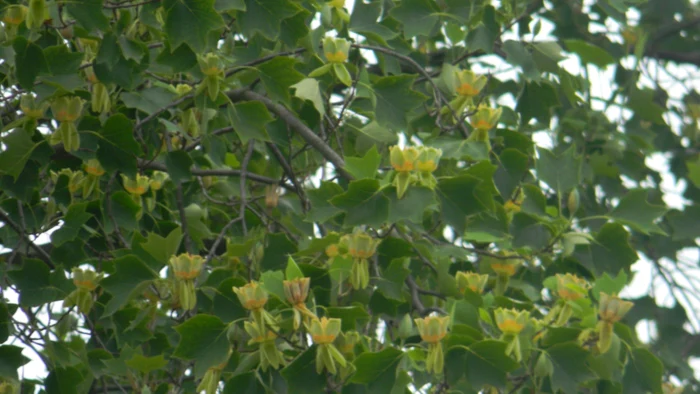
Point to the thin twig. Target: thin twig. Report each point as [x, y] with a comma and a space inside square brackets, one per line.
[42, 253]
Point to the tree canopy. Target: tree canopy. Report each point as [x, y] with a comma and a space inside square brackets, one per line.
[388, 196]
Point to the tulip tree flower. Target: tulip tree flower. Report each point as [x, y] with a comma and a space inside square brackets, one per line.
[213, 69]
[253, 298]
[186, 268]
[85, 281]
[611, 309]
[66, 110]
[361, 247]
[512, 322]
[323, 332]
[336, 51]
[432, 330]
[472, 281]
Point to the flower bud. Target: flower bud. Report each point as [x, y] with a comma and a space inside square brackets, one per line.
[158, 178]
[14, 14]
[75, 181]
[136, 187]
[272, 196]
[427, 160]
[189, 122]
[432, 329]
[612, 308]
[332, 250]
[347, 342]
[472, 281]
[336, 49]
[90, 74]
[362, 245]
[252, 296]
[37, 14]
[485, 118]
[296, 290]
[186, 266]
[100, 98]
[210, 65]
[31, 108]
[324, 330]
[86, 279]
[67, 109]
[94, 168]
[337, 3]
[693, 110]
[511, 321]
[573, 201]
[469, 83]
[571, 287]
[8, 387]
[403, 160]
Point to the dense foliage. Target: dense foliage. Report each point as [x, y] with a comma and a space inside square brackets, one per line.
[299, 196]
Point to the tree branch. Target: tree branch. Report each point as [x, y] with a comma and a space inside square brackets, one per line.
[42, 253]
[297, 125]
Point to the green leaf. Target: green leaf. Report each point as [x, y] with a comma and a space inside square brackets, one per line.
[146, 364]
[119, 132]
[64, 380]
[411, 206]
[179, 164]
[460, 197]
[308, 89]
[278, 248]
[265, 17]
[364, 167]
[6, 323]
[35, 284]
[537, 101]
[72, 224]
[590, 53]
[293, 271]
[486, 362]
[61, 61]
[528, 231]
[570, 368]
[89, 14]
[611, 251]
[163, 248]
[279, 75]
[301, 376]
[364, 21]
[643, 373]
[518, 55]
[29, 62]
[126, 282]
[202, 339]
[394, 100]
[199, 17]
[634, 211]
[11, 360]
[694, 171]
[418, 17]
[561, 172]
[319, 198]
[377, 370]
[363, 203]
[249, 119]
[643, 103]
[18, 148]
[247, 383]
[124, 210]
[609, 285]
[684, 223]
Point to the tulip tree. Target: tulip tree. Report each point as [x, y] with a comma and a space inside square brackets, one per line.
[385, 196]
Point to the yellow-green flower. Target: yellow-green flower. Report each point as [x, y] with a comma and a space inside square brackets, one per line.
[31, 108]
[272, 196]
[182, 89]
[252, 296]
[428, 159]
[337, 3]
[485, 118]
[336, 49]
[505, 266]
[15, 14]
[571, 287]
[210, 65]
[324, 330]
[136, 187]
[186, 266]
[86, 279]
[67, 109]
[511, 321]
[469, 83]
[403, 160]
[93, 167]
[472, 281]
[613, 308]
[432, 329]
[157, 180]
[362, 245]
